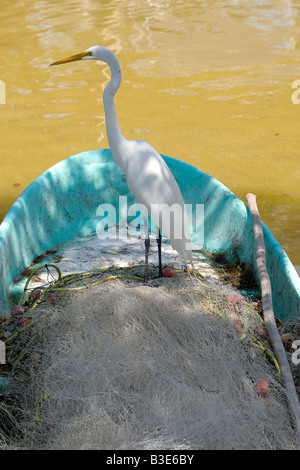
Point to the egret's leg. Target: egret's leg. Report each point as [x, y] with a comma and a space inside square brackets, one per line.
[159, 253]
[147, 245]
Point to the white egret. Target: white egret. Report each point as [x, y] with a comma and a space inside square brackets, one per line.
[148, 176]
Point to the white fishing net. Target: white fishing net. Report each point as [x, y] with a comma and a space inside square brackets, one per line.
[172, 365]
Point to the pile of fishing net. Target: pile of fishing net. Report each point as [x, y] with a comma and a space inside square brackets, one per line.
[175, 364]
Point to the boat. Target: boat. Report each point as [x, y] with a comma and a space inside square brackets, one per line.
[60, 206]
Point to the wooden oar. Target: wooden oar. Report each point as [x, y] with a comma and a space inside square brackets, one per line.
[268, 313]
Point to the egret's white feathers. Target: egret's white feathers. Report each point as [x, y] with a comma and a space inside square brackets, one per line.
[148, 176]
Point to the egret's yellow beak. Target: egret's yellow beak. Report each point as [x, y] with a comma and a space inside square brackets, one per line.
[72, 58]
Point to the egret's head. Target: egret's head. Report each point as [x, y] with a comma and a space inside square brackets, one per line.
[99, 53]
[89, 54]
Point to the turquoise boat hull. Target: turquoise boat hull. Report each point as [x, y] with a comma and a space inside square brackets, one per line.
[60, 206]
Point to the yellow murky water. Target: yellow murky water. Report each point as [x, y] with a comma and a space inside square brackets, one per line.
[209, 82]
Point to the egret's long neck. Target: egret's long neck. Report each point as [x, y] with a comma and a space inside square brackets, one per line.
[114, 134]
